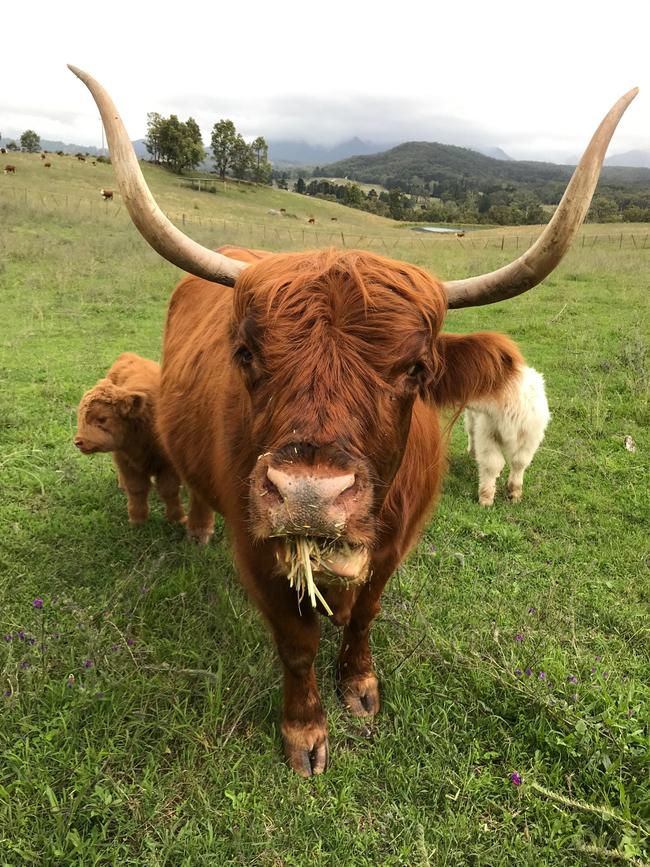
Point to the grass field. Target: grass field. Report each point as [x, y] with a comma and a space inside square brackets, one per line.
[140, 718]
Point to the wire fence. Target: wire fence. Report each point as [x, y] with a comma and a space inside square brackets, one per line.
[287, 229]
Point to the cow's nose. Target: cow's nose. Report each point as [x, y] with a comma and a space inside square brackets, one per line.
[309, 489]
[78, 441]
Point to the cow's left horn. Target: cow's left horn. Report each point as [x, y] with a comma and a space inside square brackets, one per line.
[540, 259]
[150, 221]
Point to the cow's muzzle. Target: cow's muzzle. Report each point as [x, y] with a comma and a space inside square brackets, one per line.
[306, 494]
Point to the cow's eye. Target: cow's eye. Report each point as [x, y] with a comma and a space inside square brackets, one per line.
[243, 356]
[102, 419]
[415, 370]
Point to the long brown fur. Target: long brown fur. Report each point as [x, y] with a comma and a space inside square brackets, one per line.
[118, 415]
[341, 347]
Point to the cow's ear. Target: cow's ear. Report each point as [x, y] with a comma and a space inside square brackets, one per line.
[132, 404]
[473, 366]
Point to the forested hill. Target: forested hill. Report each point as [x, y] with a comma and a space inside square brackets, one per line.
[446, 170]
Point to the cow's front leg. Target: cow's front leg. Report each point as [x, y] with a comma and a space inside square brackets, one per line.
[358, 683]
[304, 726]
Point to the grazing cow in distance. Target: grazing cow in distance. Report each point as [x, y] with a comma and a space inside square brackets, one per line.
[311, 220]
[3, 150]
[508, 427]
[333, 219]
[10, 170]
[301, 400]
[94, 163]
[118, 415]
[43, 157]
[460, 234]
[106, 194]
[47, 165]
[81, 158]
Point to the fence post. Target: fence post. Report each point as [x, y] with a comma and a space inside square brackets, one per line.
[503, 238]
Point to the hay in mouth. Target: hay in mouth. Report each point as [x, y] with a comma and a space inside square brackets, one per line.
[304, 555]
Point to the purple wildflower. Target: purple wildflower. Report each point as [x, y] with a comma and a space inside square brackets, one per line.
[7, 693]
[515, 778]
[598, 658]
[8, 637]
[519, 636]
[528, 671]
[130, 642]
[115, 648]
[532, 610]
[38, 602]
[88, 663]
[572, 679]
[518, 672]
[31, 640]
[542, 675]
[21, 634]
[25, 664]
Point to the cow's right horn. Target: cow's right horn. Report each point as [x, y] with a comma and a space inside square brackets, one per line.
[150, 221]
[540, 259]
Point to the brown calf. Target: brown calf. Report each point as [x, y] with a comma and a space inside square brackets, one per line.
[106, 194]
[118, 415]
[10, 170]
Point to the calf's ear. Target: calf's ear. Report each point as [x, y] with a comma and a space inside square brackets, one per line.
[132, 404]
[473, 366]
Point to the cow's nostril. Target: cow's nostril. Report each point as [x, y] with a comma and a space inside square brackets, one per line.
[270, 489]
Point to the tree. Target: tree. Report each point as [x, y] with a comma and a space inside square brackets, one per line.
[224, 138]
[176, 144]
[261, 167]
[12, 146]
[300, 186]
[152, 141]
[241, 158]
[30, 141]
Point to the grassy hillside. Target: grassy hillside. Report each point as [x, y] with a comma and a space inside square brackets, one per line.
[140, 705]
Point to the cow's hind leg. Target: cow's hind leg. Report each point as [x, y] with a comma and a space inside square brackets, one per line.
[519, 463]
[200, 521]
[168, 485]
[490, 460]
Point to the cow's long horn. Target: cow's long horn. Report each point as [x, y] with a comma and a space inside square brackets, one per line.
[150, 221]
[540, 259]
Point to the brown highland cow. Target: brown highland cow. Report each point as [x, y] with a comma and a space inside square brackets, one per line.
[118, 415]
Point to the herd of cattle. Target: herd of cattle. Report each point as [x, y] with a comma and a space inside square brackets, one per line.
[10, 169]
[299, 397]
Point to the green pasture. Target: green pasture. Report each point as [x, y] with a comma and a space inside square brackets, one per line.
[139, 707]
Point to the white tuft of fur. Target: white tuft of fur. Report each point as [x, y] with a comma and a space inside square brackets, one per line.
[509, 427]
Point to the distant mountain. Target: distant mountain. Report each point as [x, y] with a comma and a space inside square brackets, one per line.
[636, 159]
[454, 169]
[495, 152]
[302, 153]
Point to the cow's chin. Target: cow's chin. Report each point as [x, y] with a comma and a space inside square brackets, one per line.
[333, 561]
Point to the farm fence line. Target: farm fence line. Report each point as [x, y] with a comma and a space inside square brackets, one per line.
[288, 229]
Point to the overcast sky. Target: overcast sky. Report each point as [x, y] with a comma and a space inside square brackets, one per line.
[534, 78]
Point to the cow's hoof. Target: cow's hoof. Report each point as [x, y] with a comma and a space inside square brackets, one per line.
[200, 535]
[176, 517]
[306, 749]
[515, 494]
[361, 695]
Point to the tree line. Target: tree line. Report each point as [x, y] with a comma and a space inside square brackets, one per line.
[496, 206]
[179, 146]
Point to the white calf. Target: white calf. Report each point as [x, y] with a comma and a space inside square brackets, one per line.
[510, 428]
